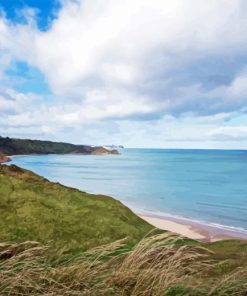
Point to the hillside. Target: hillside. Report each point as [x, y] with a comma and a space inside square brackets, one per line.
[56, 240]
[32, 208]
[10, 146]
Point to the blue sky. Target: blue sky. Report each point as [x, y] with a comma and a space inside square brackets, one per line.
[139, 73]
[46, 11]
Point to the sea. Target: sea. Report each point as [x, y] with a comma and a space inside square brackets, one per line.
[205, 186]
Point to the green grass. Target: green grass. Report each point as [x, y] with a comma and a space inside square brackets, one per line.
[93, 245]
[32, 208]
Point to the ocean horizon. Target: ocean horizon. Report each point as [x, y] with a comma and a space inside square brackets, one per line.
[198, 185]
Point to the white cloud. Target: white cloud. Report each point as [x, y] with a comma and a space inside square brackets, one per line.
[115, 42]
[14, 102]
[238, 88]
[112, 45]
[229, 133]
[120, 59]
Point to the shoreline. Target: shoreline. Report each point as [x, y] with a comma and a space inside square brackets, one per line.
[188, 228]
[193, 230]
[7, 158]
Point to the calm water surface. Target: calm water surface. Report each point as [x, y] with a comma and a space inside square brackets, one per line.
[204, 185]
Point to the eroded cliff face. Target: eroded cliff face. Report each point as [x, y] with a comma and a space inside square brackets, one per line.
[103, 151]
[4, 158]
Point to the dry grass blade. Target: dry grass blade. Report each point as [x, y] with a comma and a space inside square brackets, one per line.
[233, 284]
[156, 264]
[20, 264]
[81, 272]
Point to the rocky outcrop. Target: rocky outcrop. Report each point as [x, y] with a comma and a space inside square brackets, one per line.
[103, 151]
[4, 158]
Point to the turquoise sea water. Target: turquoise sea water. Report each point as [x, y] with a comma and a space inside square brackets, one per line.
[203, 185]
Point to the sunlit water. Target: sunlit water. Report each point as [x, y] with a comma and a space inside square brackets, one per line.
[203, 185]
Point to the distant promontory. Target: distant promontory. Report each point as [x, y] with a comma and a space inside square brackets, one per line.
[12, 146]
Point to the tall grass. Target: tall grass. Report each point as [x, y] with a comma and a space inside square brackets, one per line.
[159, 265]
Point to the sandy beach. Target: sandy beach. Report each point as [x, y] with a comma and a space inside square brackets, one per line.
[192, 230]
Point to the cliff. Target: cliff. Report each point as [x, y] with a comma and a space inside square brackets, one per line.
[4, 158]
[11, 146]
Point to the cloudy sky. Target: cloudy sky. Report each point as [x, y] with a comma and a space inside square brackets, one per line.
[142, 73]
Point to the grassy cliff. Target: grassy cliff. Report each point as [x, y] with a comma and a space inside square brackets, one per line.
[56, 240]
[11, 146]
[32, 208]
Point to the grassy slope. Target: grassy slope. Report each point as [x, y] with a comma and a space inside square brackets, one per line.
[32, 208]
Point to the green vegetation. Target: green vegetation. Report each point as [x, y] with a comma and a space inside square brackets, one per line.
[93, 245]
[10, 146]
[32, 208]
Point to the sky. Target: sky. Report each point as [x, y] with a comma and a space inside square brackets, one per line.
[140, 73]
